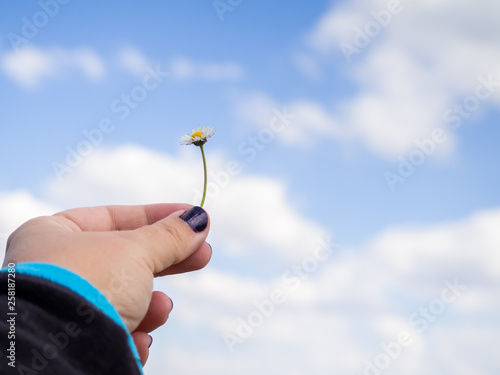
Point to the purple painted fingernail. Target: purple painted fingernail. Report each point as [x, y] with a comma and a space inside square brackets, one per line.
[196, 218]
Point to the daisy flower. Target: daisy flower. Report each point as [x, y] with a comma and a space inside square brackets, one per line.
[199, 138]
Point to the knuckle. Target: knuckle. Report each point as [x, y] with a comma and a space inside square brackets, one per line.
[171, 237]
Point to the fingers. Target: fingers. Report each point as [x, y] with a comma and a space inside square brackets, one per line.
[173, 239]
[142, 342]
[110, 218]
[159, 309]
[168, 241]
[195, 261]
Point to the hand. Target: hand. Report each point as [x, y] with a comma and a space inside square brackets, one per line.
[120, 249]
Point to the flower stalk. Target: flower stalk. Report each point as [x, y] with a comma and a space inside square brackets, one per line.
[199, 138]
[205, 174]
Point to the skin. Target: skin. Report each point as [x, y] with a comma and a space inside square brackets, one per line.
[118, 249]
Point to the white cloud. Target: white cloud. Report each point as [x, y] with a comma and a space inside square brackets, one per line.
[185, 69]
[133, 60]
[16, 208]
[255, 107]
[89, 62]
[27, 67]
[358, 301]
[310, 121]
[337, 23]
[308, 65]
[128, 175]
[280, 230]
[30, 66]
[428, 57]
[398, 104]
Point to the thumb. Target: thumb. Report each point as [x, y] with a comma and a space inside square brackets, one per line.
[174, 238]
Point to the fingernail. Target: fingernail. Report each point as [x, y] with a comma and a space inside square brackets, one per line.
[196, 218]
[151, 343]
[171, 303]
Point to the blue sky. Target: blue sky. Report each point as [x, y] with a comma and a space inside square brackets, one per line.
[353, 119]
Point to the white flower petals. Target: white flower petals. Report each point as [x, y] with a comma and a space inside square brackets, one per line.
[200, 135]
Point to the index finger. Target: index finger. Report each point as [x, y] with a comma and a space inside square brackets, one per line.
[112, 218]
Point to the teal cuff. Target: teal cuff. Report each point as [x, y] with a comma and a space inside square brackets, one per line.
[80, 286]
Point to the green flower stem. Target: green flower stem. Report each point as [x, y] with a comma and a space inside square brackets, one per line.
[205, 170]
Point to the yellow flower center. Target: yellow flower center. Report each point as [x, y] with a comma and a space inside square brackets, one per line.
[196, 134]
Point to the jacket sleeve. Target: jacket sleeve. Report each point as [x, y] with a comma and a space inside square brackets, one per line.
[55, 322]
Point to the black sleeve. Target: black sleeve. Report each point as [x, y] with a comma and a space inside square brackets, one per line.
[58, 332]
